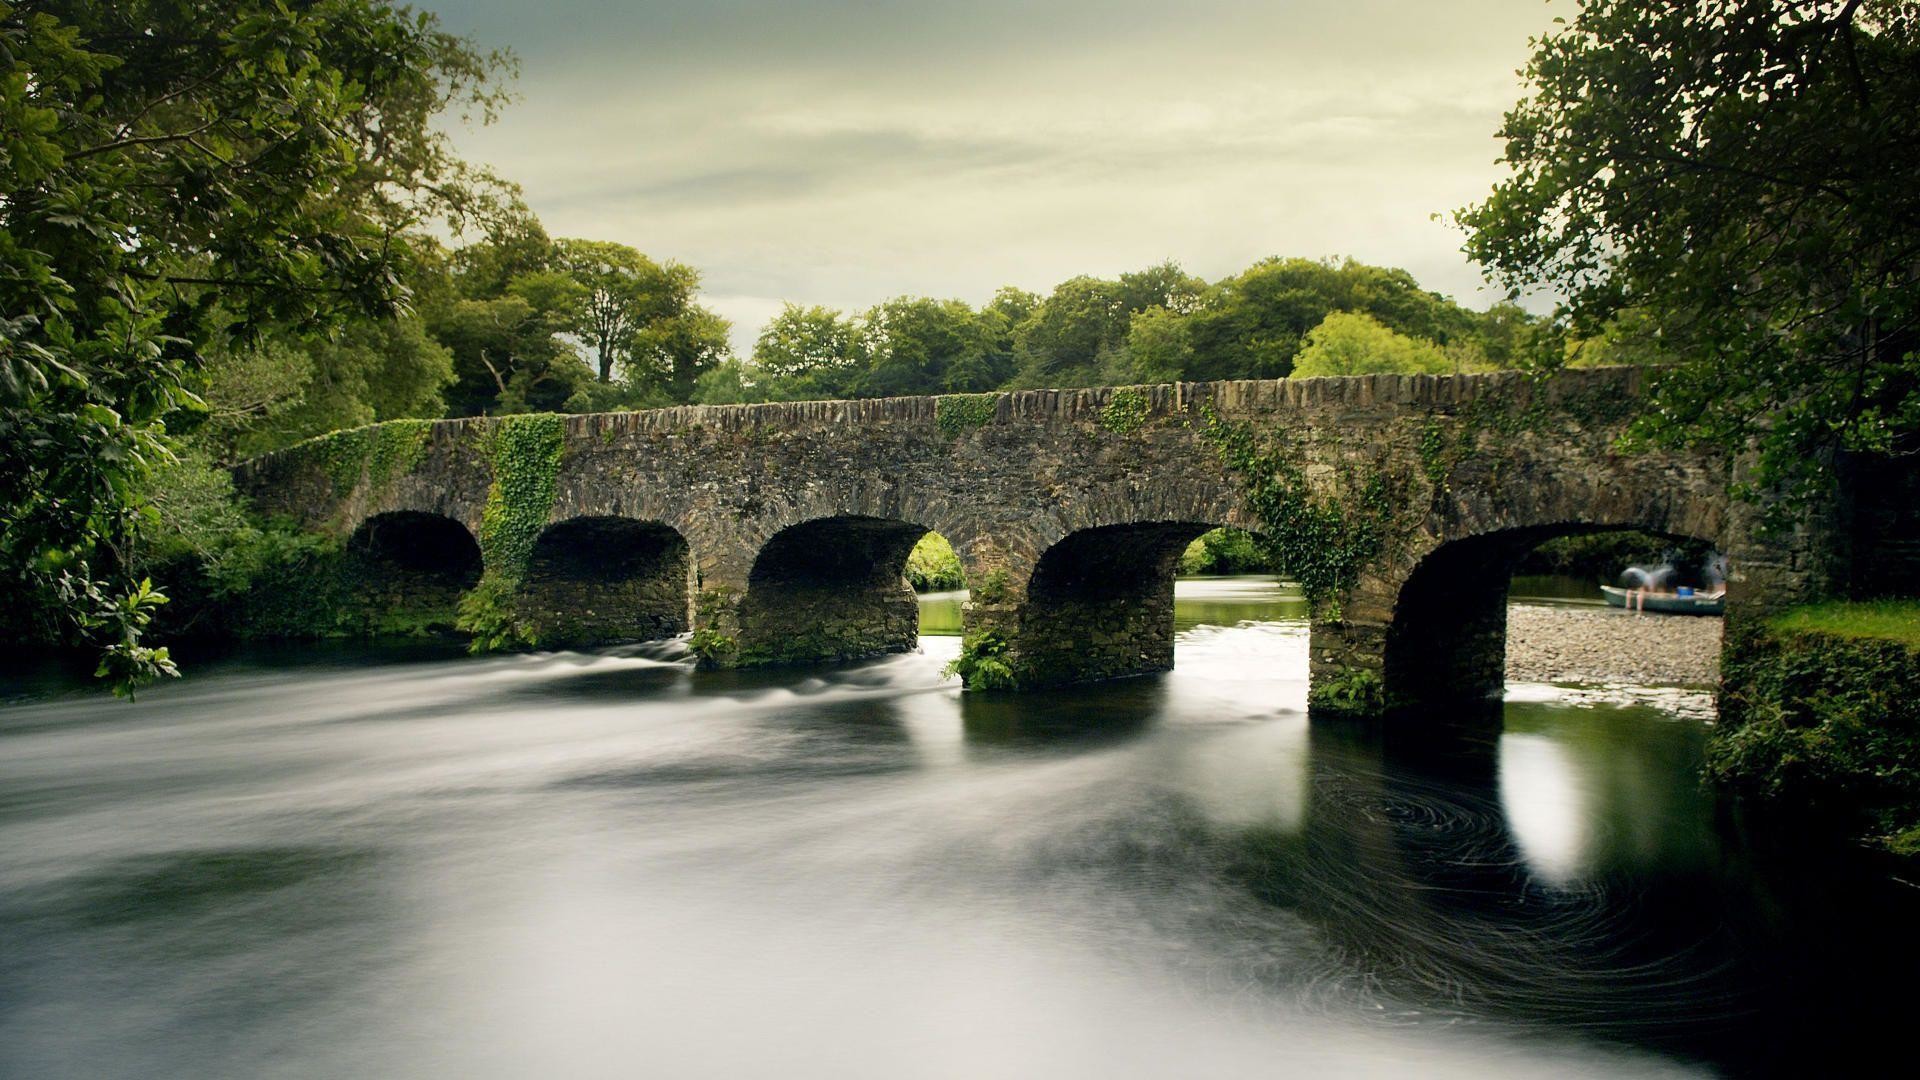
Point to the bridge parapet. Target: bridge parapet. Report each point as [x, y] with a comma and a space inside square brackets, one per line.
[1068, 509]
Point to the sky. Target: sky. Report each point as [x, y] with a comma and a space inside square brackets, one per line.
[842, 152]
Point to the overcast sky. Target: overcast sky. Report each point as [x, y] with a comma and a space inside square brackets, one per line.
[841, 152]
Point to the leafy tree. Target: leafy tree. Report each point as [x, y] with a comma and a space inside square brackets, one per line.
[912, 344]
[671, 352]
[1075, 336]
[169, 172]
[1253, 325]
[1351, 343]
[509, 353]
[630, 300]
[1736, 180]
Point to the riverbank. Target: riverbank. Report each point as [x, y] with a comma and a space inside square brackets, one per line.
[1575, 645]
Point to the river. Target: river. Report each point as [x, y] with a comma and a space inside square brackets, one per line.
[404, 862]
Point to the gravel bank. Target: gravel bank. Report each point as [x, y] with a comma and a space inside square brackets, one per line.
[1606, 645]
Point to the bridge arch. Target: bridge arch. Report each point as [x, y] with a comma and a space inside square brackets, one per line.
[830, 588]
[597, 579]
[1446, 640]
[411, 567]
[1099, 603]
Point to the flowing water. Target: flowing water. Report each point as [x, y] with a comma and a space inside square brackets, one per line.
[410, 863]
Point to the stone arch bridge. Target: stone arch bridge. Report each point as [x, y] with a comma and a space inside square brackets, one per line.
[777, 533]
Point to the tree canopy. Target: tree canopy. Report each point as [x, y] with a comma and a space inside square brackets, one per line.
[171, 176]
[1733, 183]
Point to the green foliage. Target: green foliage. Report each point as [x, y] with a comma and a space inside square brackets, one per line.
[982, 663]
[174, 175]
[640, 316]
[1126, 410]
[991, 589]
[378, 455]
[1352, 691]
[1321, 540]
[956, 414]
[488, 616]
[1352, 343]
[1825, 725]
[1885, 620]
[933, 566]
[1597, 556]
[1225, 551]
[524, 453]
[711, 647]
[1727, 188]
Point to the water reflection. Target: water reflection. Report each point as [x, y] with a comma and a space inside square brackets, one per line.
[591, 864]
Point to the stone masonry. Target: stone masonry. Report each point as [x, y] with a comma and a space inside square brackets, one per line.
[782, 529]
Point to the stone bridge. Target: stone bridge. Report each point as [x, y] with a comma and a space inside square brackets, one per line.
[777, 533]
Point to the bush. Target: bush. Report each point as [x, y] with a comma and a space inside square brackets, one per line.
[1823, 724]
[933, 566]
[1225, 551]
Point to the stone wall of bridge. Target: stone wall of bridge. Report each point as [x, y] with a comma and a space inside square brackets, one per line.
[1067, 508]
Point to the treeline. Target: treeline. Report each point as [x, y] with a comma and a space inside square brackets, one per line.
[1279, 317]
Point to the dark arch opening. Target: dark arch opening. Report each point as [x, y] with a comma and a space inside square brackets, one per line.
[831, 589]
[601, 580]
[1447, 642]
[410, 570]
[1100, 603]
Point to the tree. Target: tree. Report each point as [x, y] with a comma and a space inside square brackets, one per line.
[1253, 325]
[626, 294]
[1351, 343]
[1735, 180]
[170, 171]
[1074, 337]
[912, 343]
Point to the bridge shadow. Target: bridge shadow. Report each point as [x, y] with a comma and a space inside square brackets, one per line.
[1069, 719]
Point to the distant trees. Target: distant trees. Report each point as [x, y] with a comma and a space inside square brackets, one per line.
[1161, 324]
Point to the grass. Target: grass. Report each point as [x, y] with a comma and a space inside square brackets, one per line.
[1890, 620]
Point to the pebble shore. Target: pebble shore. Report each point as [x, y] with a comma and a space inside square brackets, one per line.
[1607, 645]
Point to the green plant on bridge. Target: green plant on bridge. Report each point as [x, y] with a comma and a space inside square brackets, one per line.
[1321, 540]
[982, 663]
[711, 647]
[1353, 691]
[1126, 410]
[956, 414]
[379, 453]
[524, 453]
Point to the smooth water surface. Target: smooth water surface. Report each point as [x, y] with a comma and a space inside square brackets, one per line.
[352, 863]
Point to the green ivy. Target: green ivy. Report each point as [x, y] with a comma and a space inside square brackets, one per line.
[982, 663]
[956, 414]
[1352, 691]
[378, 454]
[524, 453]
[1321, 541]
[1126, 410]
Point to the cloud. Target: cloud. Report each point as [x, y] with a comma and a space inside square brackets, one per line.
[842, 152]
